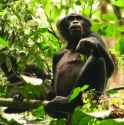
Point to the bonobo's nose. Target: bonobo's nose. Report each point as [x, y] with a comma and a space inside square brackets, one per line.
[75, 22]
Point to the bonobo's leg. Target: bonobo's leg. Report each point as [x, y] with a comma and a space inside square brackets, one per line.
[93, 73]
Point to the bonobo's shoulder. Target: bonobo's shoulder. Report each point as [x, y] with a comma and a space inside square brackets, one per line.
[58, 55]
[98, 37]
[60, 52]
[94, 34]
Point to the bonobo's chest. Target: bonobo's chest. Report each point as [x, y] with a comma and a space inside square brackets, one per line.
[68, 60]
[67, 71]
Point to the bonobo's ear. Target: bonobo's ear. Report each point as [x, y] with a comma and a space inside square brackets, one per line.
[86, 24]
[62, 26]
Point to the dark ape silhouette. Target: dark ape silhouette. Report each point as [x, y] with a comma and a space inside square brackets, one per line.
[11, 74]
[70, 70]
[14, 77]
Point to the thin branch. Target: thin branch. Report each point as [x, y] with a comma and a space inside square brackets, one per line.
[28, 105]
[114, 89]
[52, 31]
[24, 105]
[91, 8]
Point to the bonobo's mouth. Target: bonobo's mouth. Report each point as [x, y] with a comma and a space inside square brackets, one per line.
[75, 28]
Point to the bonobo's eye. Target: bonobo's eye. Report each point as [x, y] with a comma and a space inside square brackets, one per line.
[71, 18]
[79, 18]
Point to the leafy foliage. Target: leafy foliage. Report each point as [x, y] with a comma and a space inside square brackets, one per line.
[28, 32]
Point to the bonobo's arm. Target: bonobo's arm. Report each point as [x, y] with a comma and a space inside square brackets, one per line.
[93, 45]
[56, 59]
[51, 93]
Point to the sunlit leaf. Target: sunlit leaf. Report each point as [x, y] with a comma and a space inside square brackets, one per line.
[3, 43]
[119, 3]
[120, 45]
[75, 93]
[2, 13]
[85, 87]
[43, 30]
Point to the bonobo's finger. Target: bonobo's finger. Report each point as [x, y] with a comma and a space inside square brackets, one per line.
[85, 47]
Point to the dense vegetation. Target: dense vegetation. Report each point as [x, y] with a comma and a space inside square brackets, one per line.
[28, 32]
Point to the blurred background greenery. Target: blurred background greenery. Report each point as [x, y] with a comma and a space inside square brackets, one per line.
[28, 32]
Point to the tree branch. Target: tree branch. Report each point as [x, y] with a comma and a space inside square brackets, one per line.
[28, 105]
[24, 105]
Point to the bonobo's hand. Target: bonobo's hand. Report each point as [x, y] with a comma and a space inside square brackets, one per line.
[86, 47]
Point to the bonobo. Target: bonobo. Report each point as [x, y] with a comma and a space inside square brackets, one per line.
[11, 74]
[14, 77]
[70, 70]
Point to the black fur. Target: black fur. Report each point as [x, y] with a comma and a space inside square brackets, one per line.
[70, 71]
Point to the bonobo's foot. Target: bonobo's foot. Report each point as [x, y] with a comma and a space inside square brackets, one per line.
[58, 107]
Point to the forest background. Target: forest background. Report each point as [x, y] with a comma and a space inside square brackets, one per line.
[28, 32]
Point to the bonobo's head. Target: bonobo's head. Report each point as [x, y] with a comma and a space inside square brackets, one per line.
[73, 27]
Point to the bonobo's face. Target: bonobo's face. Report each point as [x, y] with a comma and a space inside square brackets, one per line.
[75, 26]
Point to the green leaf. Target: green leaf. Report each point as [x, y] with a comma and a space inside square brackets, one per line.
[43, 30]
[109, 16]
[121, 28]
[119, 3]
[3, 43]
[75, 93]
[87, 121]
[77, 116]
[58, 122]
[120, 45]
[111, 30]
[110, 122]
[2, 13]
[39, 112]
[85, 87]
